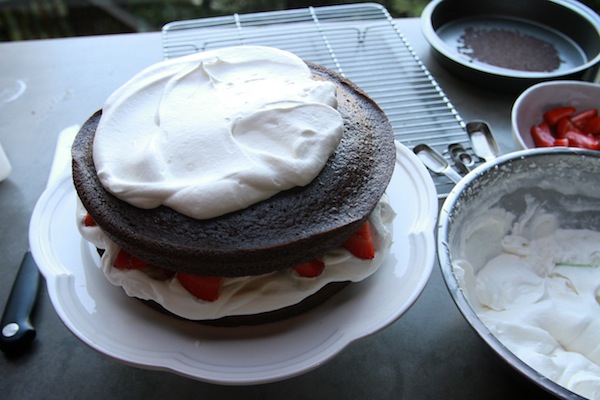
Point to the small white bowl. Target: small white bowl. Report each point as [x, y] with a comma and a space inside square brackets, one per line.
[530, 106]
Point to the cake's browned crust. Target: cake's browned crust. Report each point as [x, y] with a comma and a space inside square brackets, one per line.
[289, 228]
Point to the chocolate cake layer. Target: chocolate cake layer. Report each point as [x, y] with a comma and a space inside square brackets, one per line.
[289, 228]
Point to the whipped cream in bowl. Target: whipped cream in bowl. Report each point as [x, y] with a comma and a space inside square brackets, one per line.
[519, 249]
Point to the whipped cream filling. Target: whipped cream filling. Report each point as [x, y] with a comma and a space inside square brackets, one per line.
[215, 132]
[249, 294]
[539, 294]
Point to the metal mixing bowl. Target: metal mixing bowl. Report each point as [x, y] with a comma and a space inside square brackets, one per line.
[557, 177]
[570, 27]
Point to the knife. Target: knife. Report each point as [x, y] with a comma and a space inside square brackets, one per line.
[17, 331]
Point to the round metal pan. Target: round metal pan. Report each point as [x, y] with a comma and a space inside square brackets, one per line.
[513, 44]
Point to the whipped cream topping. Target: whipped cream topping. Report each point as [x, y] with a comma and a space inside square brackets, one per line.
[539, 294]
[215, 132]
[250, 294]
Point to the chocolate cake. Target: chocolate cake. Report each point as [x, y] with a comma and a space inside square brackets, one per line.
[290, 228]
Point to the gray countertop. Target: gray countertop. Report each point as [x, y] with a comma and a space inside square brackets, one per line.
[430, 352]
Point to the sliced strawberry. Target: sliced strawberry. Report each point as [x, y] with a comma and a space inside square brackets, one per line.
[561, 142]
[581, 118]
[592, 126]
[577, 139]
[88, 220]
[565, 125]
[361, 243]
[205, 288]
[124, 260]
[541, 135]
[310, 269]
[552, 116]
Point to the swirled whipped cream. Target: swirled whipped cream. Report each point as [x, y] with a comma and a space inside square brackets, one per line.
[245, 295]
[215, 132]
[540, 296]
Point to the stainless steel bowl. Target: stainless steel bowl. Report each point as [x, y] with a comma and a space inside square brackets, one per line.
[570, 27]
[557, 177]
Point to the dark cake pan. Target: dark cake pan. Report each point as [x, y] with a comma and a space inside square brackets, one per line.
[512, 44]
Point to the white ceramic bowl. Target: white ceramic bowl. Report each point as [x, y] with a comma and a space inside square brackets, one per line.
[537, 99]
[563, 180]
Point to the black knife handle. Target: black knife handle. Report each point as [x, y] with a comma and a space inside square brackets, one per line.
[16, 328]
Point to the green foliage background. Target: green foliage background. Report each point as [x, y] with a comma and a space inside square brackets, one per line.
[42, 19]
[158, 12]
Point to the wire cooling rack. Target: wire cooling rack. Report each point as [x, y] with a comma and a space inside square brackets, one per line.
[361, 42]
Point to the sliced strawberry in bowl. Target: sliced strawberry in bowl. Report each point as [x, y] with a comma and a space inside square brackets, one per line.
[581, 118]
[578, 139]
[554, 115]
[593, 126]
[565, 125]
[542, 136]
